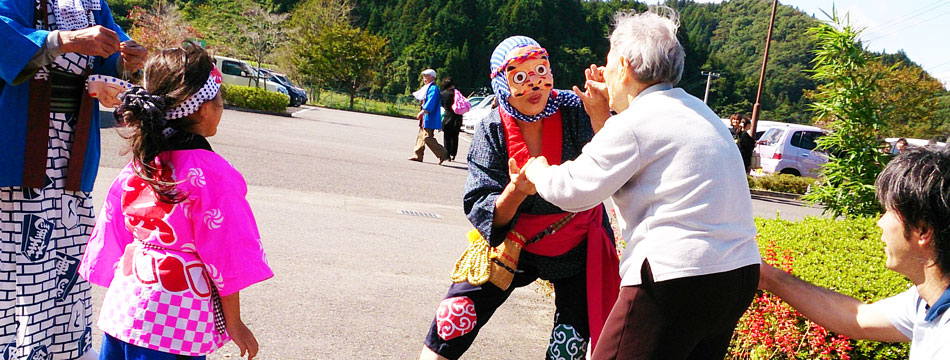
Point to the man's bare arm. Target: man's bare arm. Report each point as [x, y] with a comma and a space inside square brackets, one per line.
[837, 312]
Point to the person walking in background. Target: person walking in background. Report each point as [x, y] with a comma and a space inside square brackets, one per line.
[49, 157]
[746, 142]
[175, 241]
[691, 264]
[914, 189]
[575, 251]
[451, 122]
[901, 145]
[430, 118]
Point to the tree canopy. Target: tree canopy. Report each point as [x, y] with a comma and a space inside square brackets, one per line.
[456, 37]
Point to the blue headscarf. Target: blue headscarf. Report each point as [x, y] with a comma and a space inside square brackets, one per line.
[499, 83]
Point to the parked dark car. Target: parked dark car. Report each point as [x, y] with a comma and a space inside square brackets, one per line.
[297, 95]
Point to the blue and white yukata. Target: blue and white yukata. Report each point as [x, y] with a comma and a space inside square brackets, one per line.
[45, 308]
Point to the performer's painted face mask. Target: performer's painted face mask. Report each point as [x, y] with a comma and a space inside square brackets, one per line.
[523, 80]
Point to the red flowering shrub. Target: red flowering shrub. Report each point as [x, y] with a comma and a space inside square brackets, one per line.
[772, 329]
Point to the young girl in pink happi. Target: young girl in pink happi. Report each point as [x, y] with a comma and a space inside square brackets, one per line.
[175, 241]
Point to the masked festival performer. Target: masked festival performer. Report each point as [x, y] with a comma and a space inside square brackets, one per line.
[579, 258]
[49, 156]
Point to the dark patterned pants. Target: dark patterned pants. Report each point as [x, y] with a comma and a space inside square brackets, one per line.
[466, 308]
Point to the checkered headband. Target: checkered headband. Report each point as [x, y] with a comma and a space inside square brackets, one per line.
[207, 92]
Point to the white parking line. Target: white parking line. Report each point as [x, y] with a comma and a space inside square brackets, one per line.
[305, 109]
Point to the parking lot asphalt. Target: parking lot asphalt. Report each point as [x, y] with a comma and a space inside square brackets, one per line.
[362, 241]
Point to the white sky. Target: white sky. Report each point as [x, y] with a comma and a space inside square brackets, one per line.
[920, 27]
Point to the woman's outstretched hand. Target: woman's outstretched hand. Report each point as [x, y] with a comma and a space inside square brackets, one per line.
[595, 97]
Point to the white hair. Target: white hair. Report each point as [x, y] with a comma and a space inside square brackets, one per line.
[648, 42]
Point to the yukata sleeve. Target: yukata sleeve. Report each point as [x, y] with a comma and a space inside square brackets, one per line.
[21, 40]
[226, 236]
[487, 178]
[433, 100]
[108, 239]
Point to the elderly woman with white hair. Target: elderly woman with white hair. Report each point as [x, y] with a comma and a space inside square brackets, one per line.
[690, 267]
[430, 118]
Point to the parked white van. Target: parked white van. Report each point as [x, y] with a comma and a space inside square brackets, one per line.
[238, 72]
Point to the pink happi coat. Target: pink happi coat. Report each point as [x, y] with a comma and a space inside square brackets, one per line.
[163, 262]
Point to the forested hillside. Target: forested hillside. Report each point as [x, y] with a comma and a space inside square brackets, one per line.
[456, 38]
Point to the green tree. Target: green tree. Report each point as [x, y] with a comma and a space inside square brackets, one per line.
[845, 100]
[909, 100]
[122, 8]
[305, 24]
[222, 22]
[263, 34]
[160, 26]
[343, 55]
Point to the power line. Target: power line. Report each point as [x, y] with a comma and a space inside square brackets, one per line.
[910, 16]
[893, 30]
[939, 65]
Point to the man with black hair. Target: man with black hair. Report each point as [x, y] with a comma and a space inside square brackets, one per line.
[914, 189]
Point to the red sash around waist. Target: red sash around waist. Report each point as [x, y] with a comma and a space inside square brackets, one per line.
[603, 264]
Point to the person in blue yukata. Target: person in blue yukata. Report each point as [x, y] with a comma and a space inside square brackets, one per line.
[49, 138]
[430, 118]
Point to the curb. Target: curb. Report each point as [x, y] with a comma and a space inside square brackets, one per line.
[362, 112]
[776, 195]
[229, 107]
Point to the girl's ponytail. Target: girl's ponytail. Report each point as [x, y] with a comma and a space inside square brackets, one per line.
[139, 107]
[171, 77]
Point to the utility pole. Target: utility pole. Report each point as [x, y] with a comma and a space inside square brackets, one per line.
[709, 77]
[765, 60]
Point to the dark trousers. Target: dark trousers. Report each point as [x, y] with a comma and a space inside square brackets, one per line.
[450, 135]
[466, 308]
[686, 318]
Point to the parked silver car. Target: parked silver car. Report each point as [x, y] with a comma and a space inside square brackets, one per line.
[790, 149]
[478, 112]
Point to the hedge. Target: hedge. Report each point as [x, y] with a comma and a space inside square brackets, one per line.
[843, 255]
[782, 183]
[254, 98]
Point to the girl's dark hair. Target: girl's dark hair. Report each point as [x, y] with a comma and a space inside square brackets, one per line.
[916, 185]
[447, 82]
[171, 77]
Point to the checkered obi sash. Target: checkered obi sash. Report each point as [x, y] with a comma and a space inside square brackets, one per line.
[173, 274]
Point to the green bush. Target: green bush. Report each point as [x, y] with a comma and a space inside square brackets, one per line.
[843, 255]
[782, 183]
[254, 98]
